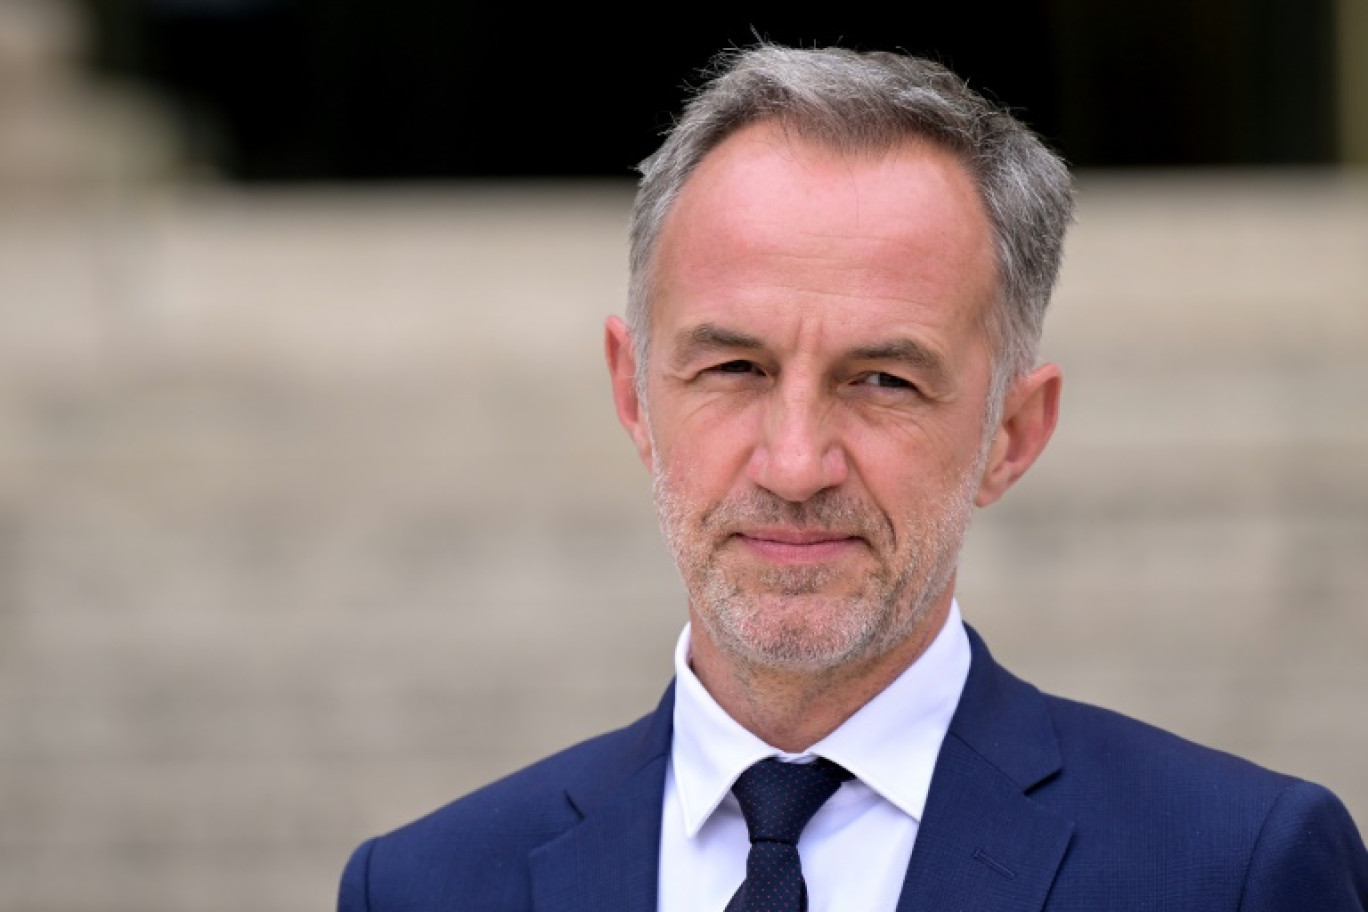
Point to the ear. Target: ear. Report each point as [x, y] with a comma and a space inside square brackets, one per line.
[621, 356]
[1029, 415]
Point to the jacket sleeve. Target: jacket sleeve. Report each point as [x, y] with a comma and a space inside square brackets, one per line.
[1309, 855]
[353, 895]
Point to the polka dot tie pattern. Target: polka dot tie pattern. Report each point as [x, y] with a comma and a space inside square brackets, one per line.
[778, 799]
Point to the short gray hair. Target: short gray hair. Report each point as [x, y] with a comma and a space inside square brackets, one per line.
[871, 102]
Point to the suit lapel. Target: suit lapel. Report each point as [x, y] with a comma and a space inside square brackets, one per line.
[984, 844]
[609, 861]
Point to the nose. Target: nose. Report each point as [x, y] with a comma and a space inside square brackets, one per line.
[798, 452]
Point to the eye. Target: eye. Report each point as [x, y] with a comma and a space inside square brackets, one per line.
[884, 381]
[737, 374]
[734, 367]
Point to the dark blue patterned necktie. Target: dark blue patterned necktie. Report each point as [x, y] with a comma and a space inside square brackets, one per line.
[778, 799]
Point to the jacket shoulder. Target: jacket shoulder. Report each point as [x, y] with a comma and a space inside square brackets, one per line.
[1137, 752]
[1137, 773]
[1242, 836]
[477, 846]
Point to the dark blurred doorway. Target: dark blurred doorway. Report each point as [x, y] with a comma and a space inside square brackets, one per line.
[370, 90]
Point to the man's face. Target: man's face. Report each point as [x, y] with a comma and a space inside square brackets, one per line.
[816, 394]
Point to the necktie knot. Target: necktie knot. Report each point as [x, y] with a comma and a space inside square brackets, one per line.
[778, 799]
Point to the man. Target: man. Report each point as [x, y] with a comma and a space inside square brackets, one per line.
[840, 266]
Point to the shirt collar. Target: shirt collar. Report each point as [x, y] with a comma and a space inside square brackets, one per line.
[890, 744]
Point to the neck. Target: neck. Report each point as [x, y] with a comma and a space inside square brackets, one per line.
[793, 710]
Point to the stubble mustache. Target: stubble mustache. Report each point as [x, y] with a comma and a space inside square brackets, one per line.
[830, 512]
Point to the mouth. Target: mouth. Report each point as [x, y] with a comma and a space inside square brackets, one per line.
[797, 546]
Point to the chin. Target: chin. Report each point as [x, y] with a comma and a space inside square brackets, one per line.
[802, 633]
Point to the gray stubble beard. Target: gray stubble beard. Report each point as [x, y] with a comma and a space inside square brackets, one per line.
[890, 607]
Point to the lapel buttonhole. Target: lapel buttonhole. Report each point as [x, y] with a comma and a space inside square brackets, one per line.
[980, 855]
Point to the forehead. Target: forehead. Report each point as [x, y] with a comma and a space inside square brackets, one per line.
[774, 221]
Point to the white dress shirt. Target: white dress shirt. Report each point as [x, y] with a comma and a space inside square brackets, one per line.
[856, 848]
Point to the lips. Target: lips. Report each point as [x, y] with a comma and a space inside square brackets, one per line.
[796, 546]
[787, 536]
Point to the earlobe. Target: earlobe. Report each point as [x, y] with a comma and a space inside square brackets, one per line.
[1029, 416]
[620, 354]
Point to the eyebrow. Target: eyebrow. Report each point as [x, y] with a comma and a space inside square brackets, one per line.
[914, 354]
[709, 337]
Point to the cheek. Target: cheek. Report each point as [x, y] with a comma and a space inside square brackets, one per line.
[696, 476]
[913, 470]
[703, 450]
[898, 455]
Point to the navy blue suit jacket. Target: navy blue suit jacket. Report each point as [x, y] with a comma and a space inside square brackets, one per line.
[1036, 803]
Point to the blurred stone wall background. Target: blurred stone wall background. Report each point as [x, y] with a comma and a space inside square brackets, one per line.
[314, 513]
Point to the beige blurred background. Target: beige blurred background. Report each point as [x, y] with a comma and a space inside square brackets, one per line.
[314, 513]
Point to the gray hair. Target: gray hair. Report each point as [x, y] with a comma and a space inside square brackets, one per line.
[871, 102]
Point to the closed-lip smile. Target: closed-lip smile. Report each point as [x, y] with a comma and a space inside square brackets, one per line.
[787, 545]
